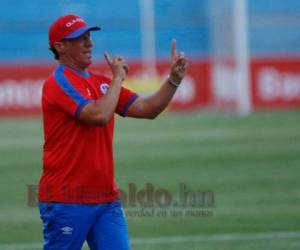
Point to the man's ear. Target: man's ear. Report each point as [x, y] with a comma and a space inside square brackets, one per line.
[60, 47]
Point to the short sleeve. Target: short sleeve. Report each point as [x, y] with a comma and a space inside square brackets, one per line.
[69, 97]
[126, 99]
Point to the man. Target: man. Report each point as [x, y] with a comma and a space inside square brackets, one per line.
[78, 197]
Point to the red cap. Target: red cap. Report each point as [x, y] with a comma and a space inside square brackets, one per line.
[68, 26]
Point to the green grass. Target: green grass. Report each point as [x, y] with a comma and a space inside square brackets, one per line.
[251, 164]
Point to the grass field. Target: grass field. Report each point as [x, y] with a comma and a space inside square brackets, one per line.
[251, 164]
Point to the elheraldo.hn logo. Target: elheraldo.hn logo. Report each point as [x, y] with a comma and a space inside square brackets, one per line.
[151, 196]
[148, 196]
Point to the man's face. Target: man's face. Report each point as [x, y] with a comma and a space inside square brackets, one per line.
[78, 51]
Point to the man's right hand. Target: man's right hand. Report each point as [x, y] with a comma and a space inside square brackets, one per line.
[99, 112]
[118, 66]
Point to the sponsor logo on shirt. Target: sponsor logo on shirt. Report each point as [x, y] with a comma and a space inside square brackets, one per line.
[104, 87]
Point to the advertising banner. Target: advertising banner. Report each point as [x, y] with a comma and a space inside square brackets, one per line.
[275, 83]
[21, 85]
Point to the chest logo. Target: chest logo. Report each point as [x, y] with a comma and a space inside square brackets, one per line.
[104, 88]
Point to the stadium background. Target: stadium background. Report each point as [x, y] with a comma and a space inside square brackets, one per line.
[250, 163]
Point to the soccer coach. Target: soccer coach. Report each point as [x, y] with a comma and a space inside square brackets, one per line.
[78, 196]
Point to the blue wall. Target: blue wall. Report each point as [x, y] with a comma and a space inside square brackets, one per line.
[274, 26]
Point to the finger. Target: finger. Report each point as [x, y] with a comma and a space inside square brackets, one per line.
[180, 61]
[118, 58]
[183, 68]
[107, 58]
[183, 62]
[181, 54]
[125, 67]
[180, 68]
[173, 50]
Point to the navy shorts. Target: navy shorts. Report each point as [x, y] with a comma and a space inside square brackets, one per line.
[66, 226]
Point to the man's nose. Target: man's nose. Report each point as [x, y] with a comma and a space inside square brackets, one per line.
[89, 42]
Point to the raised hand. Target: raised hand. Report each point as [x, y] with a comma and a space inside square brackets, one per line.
[118, 65]
[178, 64]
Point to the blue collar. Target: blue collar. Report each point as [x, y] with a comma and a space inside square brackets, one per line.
[82, 74]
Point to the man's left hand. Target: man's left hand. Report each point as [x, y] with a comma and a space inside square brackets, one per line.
[178, 65]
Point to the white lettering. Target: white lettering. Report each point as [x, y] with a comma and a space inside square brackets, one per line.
[69, 24]
[20, 94]
[273, 85]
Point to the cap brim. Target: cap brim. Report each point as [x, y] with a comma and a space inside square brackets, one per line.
[81, 31]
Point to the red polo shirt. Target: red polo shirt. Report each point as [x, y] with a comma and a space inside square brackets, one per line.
[78, 162]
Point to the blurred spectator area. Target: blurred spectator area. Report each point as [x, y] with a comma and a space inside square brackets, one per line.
[273, 27]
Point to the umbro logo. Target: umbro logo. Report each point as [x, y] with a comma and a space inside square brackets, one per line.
[67, 230]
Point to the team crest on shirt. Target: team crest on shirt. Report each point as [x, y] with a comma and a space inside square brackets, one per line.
[104, 87]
